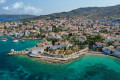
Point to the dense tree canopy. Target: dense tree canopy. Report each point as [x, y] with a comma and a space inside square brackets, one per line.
[92, 39]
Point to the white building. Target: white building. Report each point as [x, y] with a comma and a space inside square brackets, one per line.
[98, 44]
[59, 46]
[27, 33]
[36, 50]
[107, 50]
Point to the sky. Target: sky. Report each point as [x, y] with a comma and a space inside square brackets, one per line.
[44, 7]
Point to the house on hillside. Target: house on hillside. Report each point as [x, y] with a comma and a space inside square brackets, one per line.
[59, 45]
[107, 50]
[98, 44]
[116, 43]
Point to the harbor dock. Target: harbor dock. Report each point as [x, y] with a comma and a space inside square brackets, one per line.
[23, 52]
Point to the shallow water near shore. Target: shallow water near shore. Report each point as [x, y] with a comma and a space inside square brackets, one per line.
[88, 67]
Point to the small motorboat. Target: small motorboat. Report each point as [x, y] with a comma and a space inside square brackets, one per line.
[15, 41]
[4, 39]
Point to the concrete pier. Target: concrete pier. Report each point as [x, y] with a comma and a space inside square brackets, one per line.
[18, 52]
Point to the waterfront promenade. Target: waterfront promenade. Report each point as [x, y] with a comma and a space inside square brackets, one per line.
[65, 58]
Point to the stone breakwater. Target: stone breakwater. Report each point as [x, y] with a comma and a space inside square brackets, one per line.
[18, 53]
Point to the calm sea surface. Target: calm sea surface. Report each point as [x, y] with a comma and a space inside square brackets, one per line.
[10, 19]
[88, 67]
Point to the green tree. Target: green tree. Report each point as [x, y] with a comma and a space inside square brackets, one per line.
[92, 39]
[54, 41]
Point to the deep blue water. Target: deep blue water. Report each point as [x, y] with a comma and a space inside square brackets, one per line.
[5, 19]
[10, 19]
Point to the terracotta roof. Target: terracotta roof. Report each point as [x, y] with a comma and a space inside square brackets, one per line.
[39, 43]
[107, 47]
[46, 42]
[116, 42]
[98, 43]
[118, 47]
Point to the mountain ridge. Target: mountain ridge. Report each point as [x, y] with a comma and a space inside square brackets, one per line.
[90, 12]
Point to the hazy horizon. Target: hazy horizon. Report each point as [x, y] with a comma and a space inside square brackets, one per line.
[49, 6]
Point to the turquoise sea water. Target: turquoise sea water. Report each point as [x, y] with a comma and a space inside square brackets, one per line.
[88, 67]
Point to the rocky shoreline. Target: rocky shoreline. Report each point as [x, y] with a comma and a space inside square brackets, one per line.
[61, 62]
[50, 61]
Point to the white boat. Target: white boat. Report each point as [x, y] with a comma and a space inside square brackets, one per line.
[4, 39]
[15, 40]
